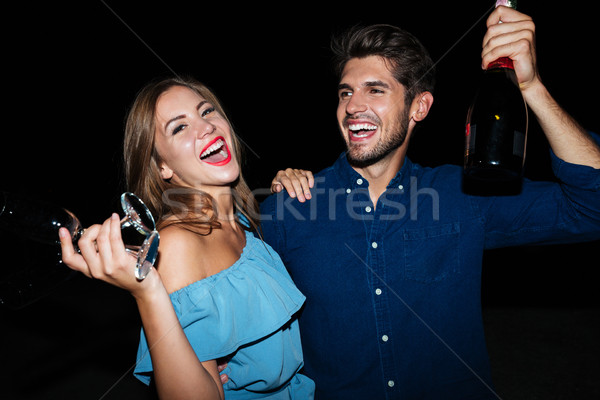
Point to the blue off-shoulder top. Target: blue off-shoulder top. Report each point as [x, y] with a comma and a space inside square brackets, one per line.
[247, 315]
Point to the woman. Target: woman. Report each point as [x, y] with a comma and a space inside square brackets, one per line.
[218, 293]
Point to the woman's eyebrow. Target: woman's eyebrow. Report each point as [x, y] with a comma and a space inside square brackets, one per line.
[199, 106]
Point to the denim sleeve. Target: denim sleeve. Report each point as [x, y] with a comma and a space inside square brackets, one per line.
[271, 231]
[576, 175]
[547, 212]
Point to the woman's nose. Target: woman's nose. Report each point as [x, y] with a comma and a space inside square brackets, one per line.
[204, 128]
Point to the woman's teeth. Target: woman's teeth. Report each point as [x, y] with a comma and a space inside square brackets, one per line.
[216, 146]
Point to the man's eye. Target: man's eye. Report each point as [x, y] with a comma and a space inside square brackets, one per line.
[345, 95]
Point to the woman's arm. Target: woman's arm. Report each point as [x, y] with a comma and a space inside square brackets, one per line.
[177, 371]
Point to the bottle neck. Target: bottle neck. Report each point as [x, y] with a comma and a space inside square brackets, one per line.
[502, 62]
[507, 3]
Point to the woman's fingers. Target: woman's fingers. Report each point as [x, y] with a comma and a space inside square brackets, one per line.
[297, 182]
[105, 249]
[102, 256]
[70, 256]
[86, 258]
[101, 249]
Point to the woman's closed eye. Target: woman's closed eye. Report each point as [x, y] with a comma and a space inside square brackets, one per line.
[179, 128]
[203, 112]
[207, 111]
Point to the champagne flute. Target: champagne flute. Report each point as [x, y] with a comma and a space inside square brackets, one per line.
[36, 221]
[139, 217]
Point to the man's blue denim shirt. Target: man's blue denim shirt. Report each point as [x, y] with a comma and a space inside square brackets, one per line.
[393, 307]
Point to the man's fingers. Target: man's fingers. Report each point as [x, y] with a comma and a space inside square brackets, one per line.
[224, 378]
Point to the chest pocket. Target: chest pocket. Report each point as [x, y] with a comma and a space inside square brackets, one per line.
[432, 253]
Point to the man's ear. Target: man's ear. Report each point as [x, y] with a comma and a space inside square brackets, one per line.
[421, 106]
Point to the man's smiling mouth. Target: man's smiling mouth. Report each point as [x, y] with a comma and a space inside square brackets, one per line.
[361, 130]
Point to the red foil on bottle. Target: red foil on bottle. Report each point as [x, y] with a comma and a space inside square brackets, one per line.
[502, 62]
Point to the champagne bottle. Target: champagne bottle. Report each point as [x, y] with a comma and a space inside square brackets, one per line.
[496, 129]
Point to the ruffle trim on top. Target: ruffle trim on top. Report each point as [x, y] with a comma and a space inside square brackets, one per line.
[248, 301]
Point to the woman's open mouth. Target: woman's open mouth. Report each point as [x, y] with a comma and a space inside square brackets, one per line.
[216, 152]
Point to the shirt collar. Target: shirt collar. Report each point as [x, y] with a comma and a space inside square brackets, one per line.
[349, 178]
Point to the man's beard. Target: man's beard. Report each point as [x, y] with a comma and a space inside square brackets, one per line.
[362, 158]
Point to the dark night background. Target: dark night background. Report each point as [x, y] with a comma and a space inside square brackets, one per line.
[71, 72]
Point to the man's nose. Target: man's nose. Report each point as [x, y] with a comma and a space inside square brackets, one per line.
[356, 104]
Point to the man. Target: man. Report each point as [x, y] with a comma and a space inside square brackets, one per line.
[389, 253]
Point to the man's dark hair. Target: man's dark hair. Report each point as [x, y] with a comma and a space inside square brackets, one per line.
[408, 60]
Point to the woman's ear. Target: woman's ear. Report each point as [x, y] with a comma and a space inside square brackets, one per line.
[165, 172]
[421, 106]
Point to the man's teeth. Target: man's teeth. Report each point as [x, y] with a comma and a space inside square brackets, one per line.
[361, 127]
[216, 146]
[358, 129]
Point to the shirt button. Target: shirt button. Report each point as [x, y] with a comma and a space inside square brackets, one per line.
[385, 338]
[348, 191]
[368, 209]
[391, 383]
[359, 181]
[374, 245]
[401, 187]
[377, 291]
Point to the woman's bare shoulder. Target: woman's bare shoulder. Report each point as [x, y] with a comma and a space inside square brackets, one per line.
[180, 260]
